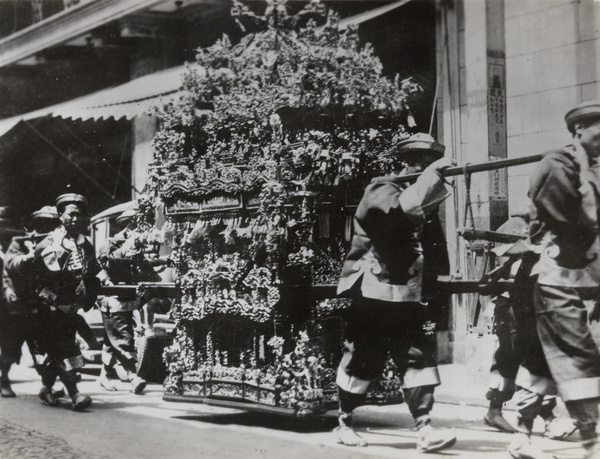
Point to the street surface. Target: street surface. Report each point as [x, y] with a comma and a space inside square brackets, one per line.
[122, 425]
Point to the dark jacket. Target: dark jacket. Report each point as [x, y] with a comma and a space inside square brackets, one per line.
[564, 225]
[398, 247]
[62, 282]
[19, 275]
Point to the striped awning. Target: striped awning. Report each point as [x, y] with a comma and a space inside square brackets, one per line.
[134, 98]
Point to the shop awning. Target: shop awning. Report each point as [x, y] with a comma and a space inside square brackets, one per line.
[128, 100]
[137, 96]
[368, 15]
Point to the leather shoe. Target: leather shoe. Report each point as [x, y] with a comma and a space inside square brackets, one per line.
[81, 402]
[47, 397]
[498, 422]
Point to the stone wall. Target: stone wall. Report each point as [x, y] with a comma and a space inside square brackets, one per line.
[552, 63]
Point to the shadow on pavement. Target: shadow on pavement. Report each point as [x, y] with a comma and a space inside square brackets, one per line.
[270, 421]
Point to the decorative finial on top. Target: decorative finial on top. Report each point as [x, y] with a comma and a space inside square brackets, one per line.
[276, 15]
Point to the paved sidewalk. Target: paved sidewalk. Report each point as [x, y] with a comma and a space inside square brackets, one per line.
[388, 429]
[463, 386]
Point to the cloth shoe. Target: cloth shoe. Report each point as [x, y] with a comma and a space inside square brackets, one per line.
[106, 383]
[347, 436]
[138, 385]
[521, 448]
[47, 397]
[81, 401]
[559, 428]
[345, 433]
[6, 391]
[494, 418]
[431, 439]
[592, 451]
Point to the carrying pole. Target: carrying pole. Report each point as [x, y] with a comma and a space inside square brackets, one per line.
[478, 167]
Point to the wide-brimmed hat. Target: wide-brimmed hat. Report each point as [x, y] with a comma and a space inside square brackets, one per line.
[70, 198]
[421, 142]
[126, 215]
[516, 226]
[585, 110]
[46, 212]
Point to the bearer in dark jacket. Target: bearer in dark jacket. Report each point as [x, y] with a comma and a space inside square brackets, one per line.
[397, 251]
[69, 280]
[21, 320]
[116, 257]
[564, 232]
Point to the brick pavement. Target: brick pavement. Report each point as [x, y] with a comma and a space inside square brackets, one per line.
[18, 442]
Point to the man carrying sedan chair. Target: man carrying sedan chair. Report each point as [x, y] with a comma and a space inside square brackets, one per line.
[22, 322]
[69, 279]
[118, 312]
[398, 249]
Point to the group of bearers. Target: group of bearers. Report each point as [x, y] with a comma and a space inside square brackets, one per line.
[48, 276]
[398, 250]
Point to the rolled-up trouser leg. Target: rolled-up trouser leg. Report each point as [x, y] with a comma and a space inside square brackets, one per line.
[571, 353]
[64, 355]
[119, 339]
[365, 347]
[548, 405]
[48, 370]
[585, 413]
[413, 353]
[353, 387]
[506, 358]
[534, 394]
[349, 401]
[420, 402]
[4, 369]
[69, 379]
[15, 330]
[505, 365]
[529, 405]
[109, 357]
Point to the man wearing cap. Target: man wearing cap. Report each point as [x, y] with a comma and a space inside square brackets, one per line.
[69, 280]
[21, 323]
[5, 389]
[564, 231]
[511, 327]
[117, 312]
[397, 251]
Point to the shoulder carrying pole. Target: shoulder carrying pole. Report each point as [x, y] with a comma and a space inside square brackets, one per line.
[478, 167]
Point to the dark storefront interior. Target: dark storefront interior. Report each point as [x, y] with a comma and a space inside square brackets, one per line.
[43, 157]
